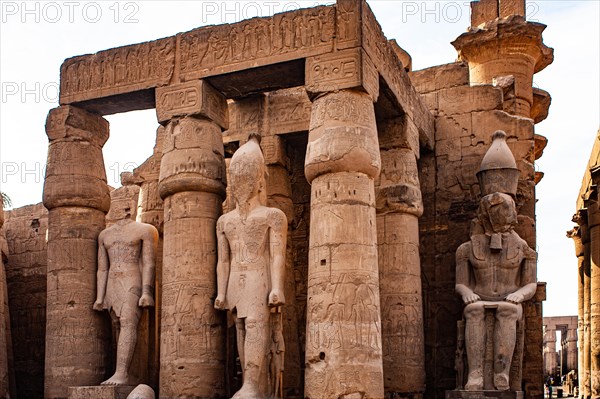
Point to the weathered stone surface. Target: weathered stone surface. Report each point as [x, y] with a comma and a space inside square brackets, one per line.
[192, 334]
[26, 260]
[196, 97]
[343, 311]
[503, 47]
[76, 195]
[6, 363]
[142, 392]
[461, 394]
[100, 392]
[440, 77]
[346, 69]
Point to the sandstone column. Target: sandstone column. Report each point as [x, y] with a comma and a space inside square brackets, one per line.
[192, 186]
[594, 226]
[343, 333]
[77, 198]
[4, 321]
[571, 349]
[585, 240]
[575, 234]
[502, 44]
[399, 206]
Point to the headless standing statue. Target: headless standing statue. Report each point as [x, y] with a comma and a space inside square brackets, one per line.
[250, 269]
[496, 269]
[126, 265]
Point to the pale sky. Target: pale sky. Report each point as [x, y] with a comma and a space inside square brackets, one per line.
[36, 36]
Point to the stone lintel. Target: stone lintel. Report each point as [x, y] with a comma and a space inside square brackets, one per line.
[101, 392]
[345, 69]
[462, 394]
[72, 122]
[191, 98]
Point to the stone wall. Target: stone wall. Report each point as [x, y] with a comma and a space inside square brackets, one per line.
[25, 230]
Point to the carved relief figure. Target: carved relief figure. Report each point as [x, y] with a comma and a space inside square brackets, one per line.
[496, 269]
[126, 265]
[250, 269]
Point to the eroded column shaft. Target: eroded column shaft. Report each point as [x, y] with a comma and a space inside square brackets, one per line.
[399, 206]
[585, 374]
[343, 337]
[77, 198]
[192, 186]
[594, 226]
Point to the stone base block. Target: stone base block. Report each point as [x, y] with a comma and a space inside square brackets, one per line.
[462, 394]
[101, 392]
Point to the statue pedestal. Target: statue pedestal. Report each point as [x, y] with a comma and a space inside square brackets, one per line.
[101, 392]
[462, 394]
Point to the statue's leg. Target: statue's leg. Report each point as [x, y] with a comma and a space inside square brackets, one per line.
[128, 320]
[255, 365]
[474, 341]
[240, 330]
[505, 337]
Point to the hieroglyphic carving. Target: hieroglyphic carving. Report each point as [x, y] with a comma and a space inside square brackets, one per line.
[342, 70]
[348, 21]
[289, 111]
[192, 98]
[119, 70]
[219, 49]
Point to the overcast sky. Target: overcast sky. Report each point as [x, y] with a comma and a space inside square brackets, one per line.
[36, 36]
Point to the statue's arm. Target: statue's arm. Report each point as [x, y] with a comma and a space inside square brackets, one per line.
[149, 249]
[102, 274]
[223, 264]
[528, 277]
[463, 276]
[277, 246]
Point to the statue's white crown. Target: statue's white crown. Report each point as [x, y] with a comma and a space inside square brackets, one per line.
[498, 172]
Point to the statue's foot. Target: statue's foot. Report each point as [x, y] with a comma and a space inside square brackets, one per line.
[247, 392]
[501, 381]
[475, 381]
[117, 379]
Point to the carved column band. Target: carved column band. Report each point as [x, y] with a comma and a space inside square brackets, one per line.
[192, 186]
[343, 336]
[399, 206]
[77, 198]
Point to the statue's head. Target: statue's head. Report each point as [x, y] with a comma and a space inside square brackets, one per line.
[247, 174]
[497, 213]
[124, 200]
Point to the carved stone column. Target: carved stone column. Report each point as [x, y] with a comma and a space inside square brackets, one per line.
[585, 240]
[506, 46]
[399, 206]
[343, 333]
[192, 186]
[77, 198]
[575, 234]
[594, 226]
[5, 366]
[571, 347]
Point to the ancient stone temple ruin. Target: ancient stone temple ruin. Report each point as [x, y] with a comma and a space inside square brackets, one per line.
[586, 237]
[340, 171]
